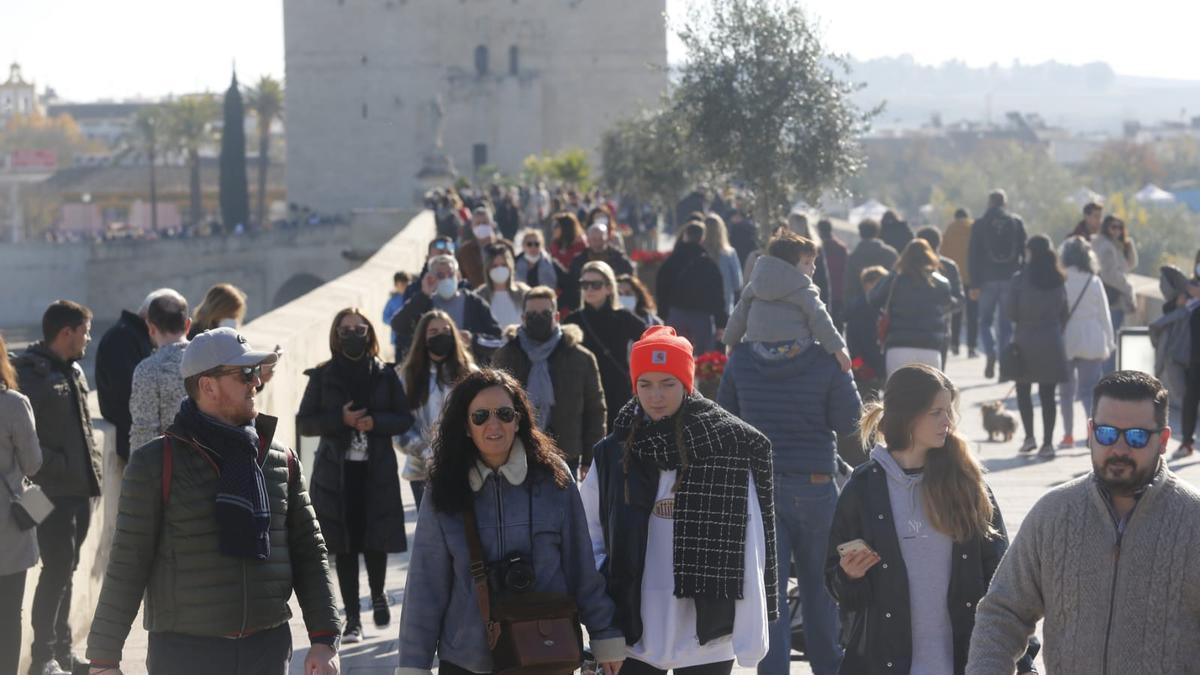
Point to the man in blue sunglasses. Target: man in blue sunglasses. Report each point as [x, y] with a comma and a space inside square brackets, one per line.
[1110, 560]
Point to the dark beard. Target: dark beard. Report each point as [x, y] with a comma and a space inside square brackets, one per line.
[1131, 483]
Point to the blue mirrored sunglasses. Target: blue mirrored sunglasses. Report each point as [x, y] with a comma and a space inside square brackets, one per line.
[1135, 437]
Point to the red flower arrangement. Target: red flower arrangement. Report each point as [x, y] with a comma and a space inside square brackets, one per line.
[644, 257]
[711, 366]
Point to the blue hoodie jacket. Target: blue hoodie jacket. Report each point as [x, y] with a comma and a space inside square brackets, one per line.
[800, 403]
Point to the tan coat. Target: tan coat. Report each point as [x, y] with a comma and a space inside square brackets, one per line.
[956, 241]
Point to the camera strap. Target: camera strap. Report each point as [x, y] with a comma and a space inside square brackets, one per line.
[479, 575]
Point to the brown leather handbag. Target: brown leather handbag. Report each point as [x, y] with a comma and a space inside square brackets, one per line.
[528, 633]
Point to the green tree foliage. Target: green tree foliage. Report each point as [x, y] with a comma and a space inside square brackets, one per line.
[764, 102]
[235, 196]
[646, 156]
[189, 127]
[266, 100]
[59, 134]
[1124, 165]
[569, 167]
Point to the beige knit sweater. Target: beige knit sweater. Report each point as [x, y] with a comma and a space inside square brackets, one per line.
[1110, 608]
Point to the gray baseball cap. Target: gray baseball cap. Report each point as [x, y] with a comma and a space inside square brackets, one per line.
[221, 347]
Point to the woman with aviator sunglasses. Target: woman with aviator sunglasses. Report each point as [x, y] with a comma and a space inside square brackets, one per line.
[356, 404]
[492, 462]
[535, 266]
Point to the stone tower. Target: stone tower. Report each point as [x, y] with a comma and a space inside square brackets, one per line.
[374, 86]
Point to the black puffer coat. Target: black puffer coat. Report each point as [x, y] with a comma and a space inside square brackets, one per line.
[918, 310]
[321, 415]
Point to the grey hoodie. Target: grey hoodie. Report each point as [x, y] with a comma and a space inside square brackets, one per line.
[926, 554]
[780, 304]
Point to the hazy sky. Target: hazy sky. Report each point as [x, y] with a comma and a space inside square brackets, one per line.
[90, 49]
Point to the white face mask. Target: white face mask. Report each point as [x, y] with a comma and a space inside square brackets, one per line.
[499, 274]
[482, 231]
[446, 288]
[600, 221]
[532, 258]
[629, 302]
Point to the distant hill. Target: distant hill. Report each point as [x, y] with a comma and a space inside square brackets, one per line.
[1089, 97]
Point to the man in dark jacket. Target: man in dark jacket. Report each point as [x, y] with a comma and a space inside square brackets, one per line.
[217, 573]
[598, 248]
[869, 253]
[996, 252]
[691, 292]
[835, 253]
[441, 288]
[862, 335]
[561, 376]
[743, 235]
[120, 351]
[948, 269]
[802, 403]
[895, 232]
[49, 374]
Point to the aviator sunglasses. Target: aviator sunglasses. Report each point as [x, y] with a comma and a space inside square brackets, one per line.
[1136, 438]
[505, 415]
[249, 373]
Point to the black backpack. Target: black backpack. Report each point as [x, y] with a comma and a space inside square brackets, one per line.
[1002, 238]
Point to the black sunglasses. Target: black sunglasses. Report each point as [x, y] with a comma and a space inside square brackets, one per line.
[249, 373]
[506, 415]
[1136, 438]
[593, 285]
[533, 243]
[359, 330]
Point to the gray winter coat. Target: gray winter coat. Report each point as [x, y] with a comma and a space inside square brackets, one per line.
[781, 303]
[918, 310]
[1039, 317]
[20, 456]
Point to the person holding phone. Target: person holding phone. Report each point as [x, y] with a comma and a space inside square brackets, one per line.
[356, 404]
[916, 535]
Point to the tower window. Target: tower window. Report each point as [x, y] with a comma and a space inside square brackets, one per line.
[481, 60]
[514, 63]
[479, 155]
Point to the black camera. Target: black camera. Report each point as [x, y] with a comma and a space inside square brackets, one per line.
[514, 574]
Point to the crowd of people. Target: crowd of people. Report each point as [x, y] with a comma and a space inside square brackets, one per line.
[569, 471]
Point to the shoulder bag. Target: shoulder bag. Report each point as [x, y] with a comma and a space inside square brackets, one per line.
[31, 507]
[528, 633]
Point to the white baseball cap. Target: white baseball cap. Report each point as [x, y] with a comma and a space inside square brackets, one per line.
[221, 347]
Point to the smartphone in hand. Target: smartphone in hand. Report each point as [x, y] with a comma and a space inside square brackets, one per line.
[852, 546]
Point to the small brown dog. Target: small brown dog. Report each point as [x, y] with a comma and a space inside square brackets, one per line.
[997, 420]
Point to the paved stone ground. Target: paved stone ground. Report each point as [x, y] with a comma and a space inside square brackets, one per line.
[1018, 481]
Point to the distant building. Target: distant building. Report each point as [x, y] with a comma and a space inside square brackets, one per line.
[17, 97]
[378, 91]
[107, 123]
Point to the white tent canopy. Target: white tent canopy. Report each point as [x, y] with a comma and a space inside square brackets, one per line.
[869, 209]
[1152, 194]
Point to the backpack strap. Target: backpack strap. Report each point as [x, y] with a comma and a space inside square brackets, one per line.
[168, 466]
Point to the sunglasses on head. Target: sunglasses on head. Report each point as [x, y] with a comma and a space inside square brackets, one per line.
[592, 285]
[1137, 438]
[359, 330]
[249, 373]
[506, 415]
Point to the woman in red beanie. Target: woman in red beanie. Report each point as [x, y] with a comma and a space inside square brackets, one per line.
[681, 514]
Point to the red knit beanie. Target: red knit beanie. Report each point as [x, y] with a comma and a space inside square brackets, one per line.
[660, 350]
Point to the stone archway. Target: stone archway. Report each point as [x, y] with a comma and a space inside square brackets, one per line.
[295, 287]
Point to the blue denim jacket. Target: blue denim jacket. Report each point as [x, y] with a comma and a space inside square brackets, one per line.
[440, 610]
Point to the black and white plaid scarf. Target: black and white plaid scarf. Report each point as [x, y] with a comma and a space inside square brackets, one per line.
[711, 503]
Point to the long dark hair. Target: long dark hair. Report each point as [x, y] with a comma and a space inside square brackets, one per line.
[955, 497]
[454, 453]
[1042, 265]
[567, 229]
[335, 340]
[645, 301]
[415, 371]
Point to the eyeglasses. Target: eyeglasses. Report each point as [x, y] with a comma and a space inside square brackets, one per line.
[593, 285]
[442, 245]
[533, 243]
[506, 415]
[249, 373]
[545, 313]
[347, 331]
[1135, 437]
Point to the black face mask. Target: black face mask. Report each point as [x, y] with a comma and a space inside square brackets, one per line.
[440, 345]
[539, 327]
[354, 346]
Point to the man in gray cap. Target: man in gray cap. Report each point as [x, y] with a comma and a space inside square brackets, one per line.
[215, 529]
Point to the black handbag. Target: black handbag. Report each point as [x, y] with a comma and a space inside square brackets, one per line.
[31, 507]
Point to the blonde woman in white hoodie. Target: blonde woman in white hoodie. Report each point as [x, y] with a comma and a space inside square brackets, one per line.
[1089, 333]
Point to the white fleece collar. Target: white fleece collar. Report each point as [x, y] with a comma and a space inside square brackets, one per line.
[514, 470]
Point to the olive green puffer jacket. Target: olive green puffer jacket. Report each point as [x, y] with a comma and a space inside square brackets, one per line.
[168, 552]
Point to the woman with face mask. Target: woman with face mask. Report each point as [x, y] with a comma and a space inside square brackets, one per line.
[535, 265]
[437, 358]
[356, 404]
[636, 298]
[503, 292]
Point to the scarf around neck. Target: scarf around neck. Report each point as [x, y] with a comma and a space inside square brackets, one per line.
[242, 511]
[712, 499]
[541, 385]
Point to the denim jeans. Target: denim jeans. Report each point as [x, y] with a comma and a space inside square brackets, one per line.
[803, 517]
[1082, 376]
[993, 296]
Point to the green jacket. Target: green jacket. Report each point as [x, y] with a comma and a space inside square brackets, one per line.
[167, 551]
